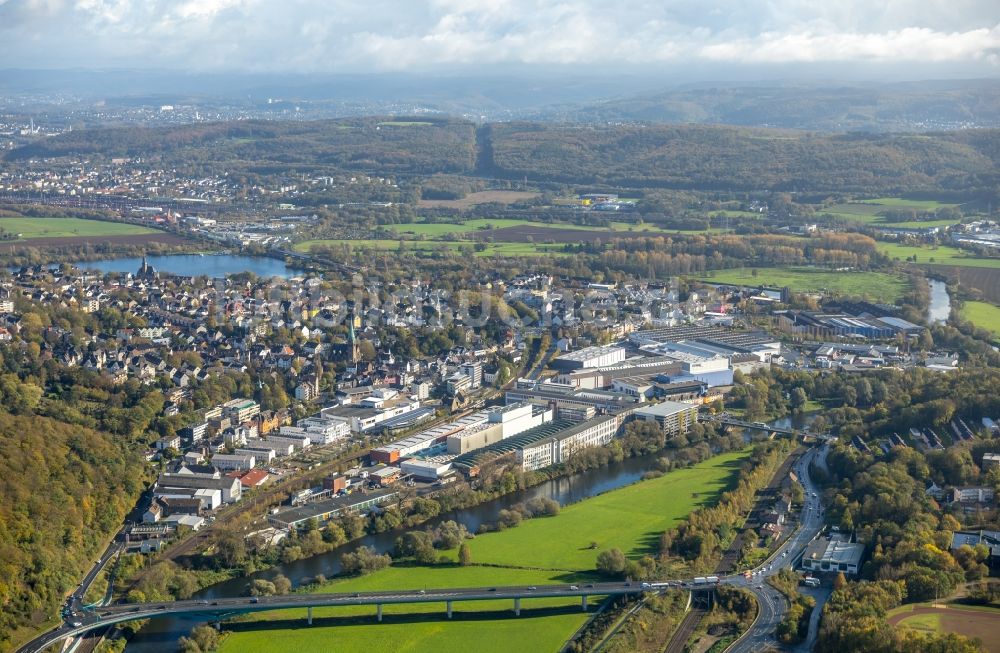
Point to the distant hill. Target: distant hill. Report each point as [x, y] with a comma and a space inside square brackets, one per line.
[696, 157]
[365, 144]
[910, 107]
[709, 157]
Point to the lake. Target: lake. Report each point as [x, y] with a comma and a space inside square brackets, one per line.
[210, 265]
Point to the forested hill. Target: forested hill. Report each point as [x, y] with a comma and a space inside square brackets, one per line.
[733, 158]
[631, 155]
[64, 490]
[386, 145]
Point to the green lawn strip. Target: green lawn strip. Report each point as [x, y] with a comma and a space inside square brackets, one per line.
[68, 228]
[430, 246]
[937, 255]
[983, 315]
[875, 285]
[437, 229]
[630, 519]
[482, 625]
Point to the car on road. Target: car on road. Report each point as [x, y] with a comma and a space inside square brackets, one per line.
[422, 592]
[76, 624]
[492, 589]
[255, 600]
[573, 587]
[532, 588]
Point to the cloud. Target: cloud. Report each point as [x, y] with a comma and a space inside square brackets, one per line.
[356, 35]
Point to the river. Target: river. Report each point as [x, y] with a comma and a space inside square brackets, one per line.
[162, 634]
[211, 265]
[940, 306]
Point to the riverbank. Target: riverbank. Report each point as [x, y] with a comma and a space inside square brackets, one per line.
[630, 519]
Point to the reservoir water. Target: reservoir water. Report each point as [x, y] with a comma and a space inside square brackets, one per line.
[162, 634]
[210, 265]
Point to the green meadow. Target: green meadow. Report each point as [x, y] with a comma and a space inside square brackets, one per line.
[27, 227]
[937, 254]
[983, 315]
[629, 518]
[877, 286]
[430, 246]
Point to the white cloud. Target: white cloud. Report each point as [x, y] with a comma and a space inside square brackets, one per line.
[353, 35]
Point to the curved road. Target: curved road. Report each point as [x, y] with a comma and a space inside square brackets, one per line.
[772, 603]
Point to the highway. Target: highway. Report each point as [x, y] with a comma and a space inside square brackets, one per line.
[761, 635]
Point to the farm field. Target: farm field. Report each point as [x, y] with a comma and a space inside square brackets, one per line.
[983, 623]
[482, 197]
[28, 228]
[430, 246]
[868, 211]
[629, 518]
[432, 229]
[983, 315]
[940, 255]
[877, 286]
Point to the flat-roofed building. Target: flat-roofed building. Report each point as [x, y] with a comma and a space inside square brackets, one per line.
[672, 416]
[324, 511]
[833, 554]
[238, 462]
[241, 410]
[590, 357]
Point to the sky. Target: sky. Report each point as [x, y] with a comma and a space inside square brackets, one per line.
[425, 35]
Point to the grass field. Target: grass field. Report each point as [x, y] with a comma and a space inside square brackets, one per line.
[429, 246]
[630, 518]
[981, 622]
[870, 211]
[983, 315]
[437, 229]
[485, 626]
[405, 123]
[28, 228]
[940, 255]
[874, 285]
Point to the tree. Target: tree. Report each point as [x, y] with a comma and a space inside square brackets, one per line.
[281, 584]
[611, 562]
[798, 398]
[465, 554]
[230, 549]
[261, 587]
[840, 581]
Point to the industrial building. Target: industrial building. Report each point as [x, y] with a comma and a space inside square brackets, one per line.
[672, 416]
[324, 511]
[370, 412]
[590, 357]
[561, 396]
[549, 444]
[725, 342]
[240, 462]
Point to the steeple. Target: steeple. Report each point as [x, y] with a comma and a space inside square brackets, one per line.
[352, 340]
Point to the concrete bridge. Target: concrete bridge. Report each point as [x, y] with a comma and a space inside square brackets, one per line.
[101, 616]
[767, 428]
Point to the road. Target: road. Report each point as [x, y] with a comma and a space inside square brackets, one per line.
[772, 603]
